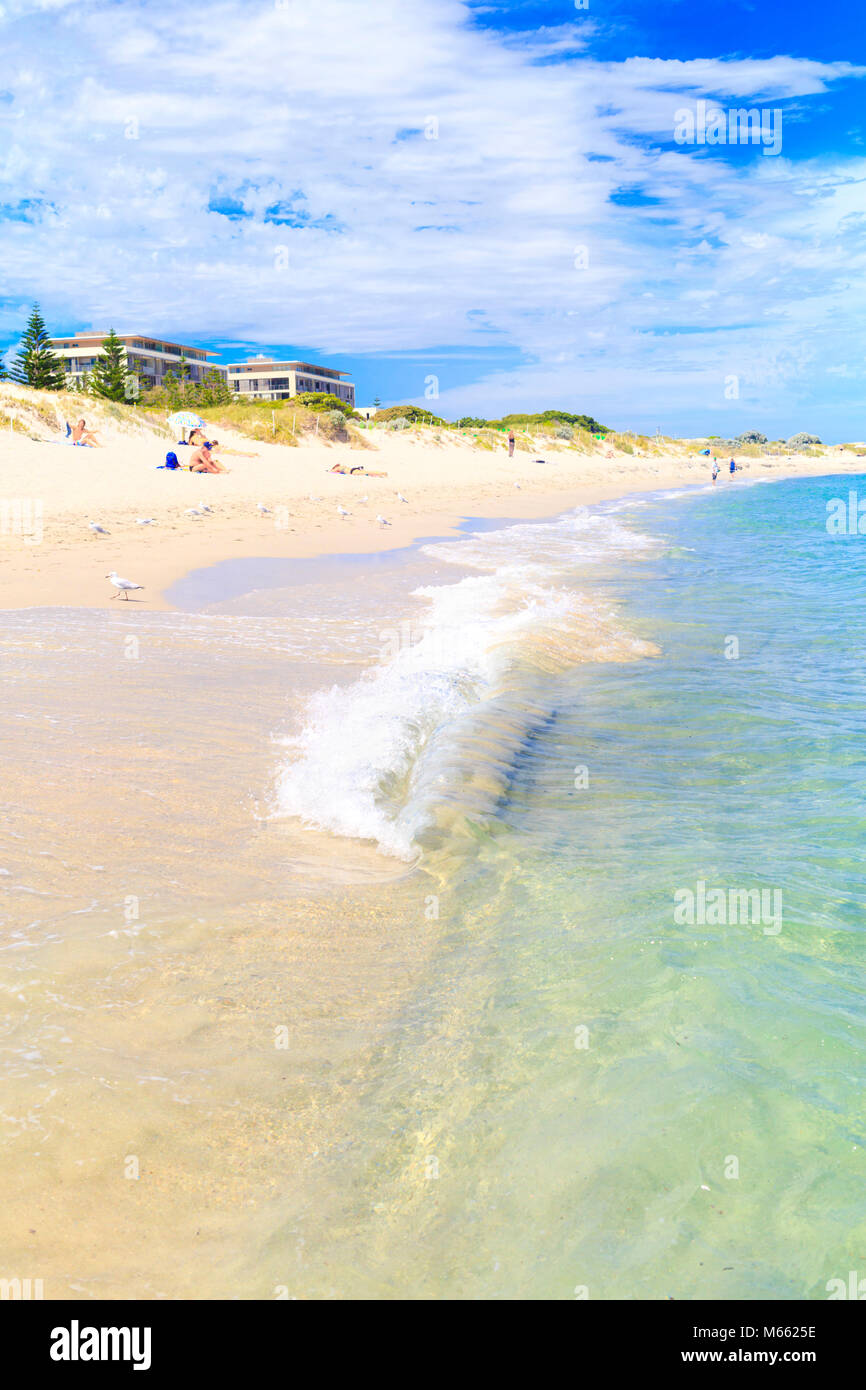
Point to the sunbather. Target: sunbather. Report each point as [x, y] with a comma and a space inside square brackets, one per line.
[359, 468]
[202, 461]
[82, 435]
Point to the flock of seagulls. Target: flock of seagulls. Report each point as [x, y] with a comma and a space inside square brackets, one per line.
[383, 521]
[126, 586]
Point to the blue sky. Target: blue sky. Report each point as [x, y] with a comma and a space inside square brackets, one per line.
[481, 207]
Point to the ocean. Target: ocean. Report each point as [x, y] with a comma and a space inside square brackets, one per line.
[480, 920]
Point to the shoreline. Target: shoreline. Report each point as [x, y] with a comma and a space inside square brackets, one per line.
[61, 564]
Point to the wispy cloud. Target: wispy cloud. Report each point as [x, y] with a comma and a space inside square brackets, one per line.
[379, 179]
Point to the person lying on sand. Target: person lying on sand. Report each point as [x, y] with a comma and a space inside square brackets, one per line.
[82, 435]
[364, 472]
[202, 461]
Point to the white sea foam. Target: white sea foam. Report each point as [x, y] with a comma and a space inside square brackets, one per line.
[581, 536]
[373, 756]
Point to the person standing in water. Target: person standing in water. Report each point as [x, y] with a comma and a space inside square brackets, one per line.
[715, 469]
[733, 468]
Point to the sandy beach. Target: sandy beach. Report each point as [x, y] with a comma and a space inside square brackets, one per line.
[305, 892]
[49, 491]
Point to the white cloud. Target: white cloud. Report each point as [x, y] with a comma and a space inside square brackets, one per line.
[121, 134]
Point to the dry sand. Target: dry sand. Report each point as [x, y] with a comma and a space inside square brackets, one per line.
[50, 490]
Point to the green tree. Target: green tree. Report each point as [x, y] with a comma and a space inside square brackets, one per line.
[189, 389]
[109, 376]
[36, 363]
[214, 389]
[173, 391]
[321, 401]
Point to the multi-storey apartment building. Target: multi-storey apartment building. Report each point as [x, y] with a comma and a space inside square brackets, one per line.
[262, 379]
[148, 359]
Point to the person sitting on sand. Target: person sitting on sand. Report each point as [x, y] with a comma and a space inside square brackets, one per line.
[82, 435]
[196, 438]
[202, 461]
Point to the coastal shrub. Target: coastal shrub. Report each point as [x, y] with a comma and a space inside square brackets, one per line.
[400, 423]
[803, 441]
[321, 401]
[413, 413]
[563, 431]
[548, 417]
[751, 437]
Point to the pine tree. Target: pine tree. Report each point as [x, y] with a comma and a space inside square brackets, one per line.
[173, 391]
[109, 376]
[36, 363]
[189, 392]
[214, 389]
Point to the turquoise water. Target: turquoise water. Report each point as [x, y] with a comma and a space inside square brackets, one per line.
[443, 818]
[587, 1094]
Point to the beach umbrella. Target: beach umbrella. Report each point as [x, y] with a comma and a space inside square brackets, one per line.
[185, 420]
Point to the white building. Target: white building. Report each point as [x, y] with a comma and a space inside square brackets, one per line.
[148, 359]
[262, 379]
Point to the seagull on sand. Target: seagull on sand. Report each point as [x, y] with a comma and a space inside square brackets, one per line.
[382, 522]
[122, 585]
[265, 511]
[205, 508]
[145, 521]
[343, 512]
[193, 511]
[98, 530]
[402, 498]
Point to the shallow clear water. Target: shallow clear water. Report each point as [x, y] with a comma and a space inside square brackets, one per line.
[542, 1041]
